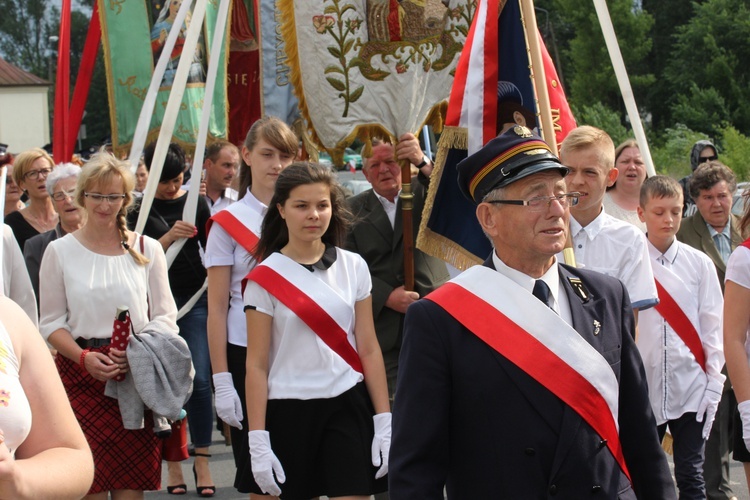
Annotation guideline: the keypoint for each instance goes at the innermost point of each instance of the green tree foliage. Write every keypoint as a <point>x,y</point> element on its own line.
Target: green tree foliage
<point>671,152</point>
<point>708,67</point>
<point>735,151</point>
<point>600,116</point>
<point>25,28</point>
<point>590,77</point>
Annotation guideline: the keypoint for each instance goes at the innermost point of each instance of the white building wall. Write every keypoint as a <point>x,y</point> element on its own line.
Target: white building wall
<point>24,117</point>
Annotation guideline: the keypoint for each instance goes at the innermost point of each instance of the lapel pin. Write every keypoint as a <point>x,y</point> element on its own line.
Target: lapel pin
<point>597,327</point>
<point>578,288</point>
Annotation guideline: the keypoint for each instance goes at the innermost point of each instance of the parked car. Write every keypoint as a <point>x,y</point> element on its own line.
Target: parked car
<point>351,159</point>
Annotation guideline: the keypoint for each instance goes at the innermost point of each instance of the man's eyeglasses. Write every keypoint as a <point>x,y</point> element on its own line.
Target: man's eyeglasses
<point>100,198</point>
<point>704,159</point>
<point>63,195</point>
<point>34,174</point>
<point>542,203</point>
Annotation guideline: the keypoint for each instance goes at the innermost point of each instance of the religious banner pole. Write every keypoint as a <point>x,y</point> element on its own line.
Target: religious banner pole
<point>623,81</point>
<point>407,224</point>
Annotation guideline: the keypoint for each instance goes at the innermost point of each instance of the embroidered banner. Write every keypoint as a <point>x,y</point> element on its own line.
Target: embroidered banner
<point>449,229</point>
<point>133,34</point>
<point>362,67</point>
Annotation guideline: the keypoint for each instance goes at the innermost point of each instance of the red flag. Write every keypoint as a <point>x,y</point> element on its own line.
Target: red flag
<point>62,88</point>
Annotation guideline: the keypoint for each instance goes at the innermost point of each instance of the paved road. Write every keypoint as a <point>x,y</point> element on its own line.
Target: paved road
<point>222,468</point>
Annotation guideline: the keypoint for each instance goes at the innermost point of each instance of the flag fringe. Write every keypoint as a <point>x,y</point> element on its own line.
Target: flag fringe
<point>432,243</point>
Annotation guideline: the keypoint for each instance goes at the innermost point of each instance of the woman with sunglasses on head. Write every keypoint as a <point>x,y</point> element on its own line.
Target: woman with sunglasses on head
<point>270,146</point>
<point>30,171</point>
<point>186,278</point>
<point>318,411</point>
<point>86,276</point>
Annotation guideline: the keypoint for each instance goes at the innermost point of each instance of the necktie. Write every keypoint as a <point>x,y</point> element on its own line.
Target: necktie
<point>541,292</point>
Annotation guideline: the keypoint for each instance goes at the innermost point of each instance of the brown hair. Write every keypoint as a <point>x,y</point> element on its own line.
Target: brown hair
<point>26,159</point>
<point>586,137</point>
<point>212,151</point>
<point>102,169</point>
<point>276,133</point>
<point>659,186</point>
<point>707,175</point>
<point>274,233</point>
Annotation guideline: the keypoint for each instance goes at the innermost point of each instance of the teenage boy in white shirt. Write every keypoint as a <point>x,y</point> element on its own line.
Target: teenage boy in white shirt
<point>601,242</point>
<point>680,340</point>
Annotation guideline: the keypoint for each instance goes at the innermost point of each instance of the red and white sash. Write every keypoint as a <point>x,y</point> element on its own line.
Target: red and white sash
<point>679,309</point>
<point>318,305</point>
<point>539,342</point>
<point>231,220</point>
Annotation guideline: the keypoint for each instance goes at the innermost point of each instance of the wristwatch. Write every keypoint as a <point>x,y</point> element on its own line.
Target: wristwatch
<point>424,162</point>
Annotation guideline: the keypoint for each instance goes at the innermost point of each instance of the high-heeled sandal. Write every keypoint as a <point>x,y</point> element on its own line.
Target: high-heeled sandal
<point>171,489</point>
<point>203,491</point>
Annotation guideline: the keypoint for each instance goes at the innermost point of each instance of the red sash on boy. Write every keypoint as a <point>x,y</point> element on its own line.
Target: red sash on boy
<point>678,309</point>
<point>312,300</point>
<point>535,339</point>
<point>746,243</point>
<point>230,219</point>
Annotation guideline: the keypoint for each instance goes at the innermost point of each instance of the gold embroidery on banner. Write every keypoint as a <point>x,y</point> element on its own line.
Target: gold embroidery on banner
<point>415,33</point>
<point>129,84</point>
<point>556,119</point>
<point>116,4</point>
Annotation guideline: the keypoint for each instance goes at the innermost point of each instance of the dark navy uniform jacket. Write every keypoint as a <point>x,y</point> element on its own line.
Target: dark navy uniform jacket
<point>468,419</point>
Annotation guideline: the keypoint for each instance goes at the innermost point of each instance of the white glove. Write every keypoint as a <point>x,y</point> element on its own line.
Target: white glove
<point>381,443</point>
<point>265,463</point>
<point>709,405</point>
<point>744,409</point>
<point>226,400</point>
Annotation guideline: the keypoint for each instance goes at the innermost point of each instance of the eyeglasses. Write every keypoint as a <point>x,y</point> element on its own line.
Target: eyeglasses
<point>34,174</point>
<point>63,195</point>
<point>704,159</point>
<point>100,198</point>
<point>542,203</point>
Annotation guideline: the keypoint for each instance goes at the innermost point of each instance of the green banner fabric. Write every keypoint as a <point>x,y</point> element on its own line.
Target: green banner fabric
<point>133,34</point>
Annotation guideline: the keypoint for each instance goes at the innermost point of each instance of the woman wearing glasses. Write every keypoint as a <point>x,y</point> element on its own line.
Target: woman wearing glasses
<point>61,186</point>
<point>30,172</point>
<point>87,275</point>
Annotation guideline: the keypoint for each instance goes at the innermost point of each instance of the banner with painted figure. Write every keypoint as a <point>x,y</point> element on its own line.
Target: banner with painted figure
<point>366,67</point>
<point>494,85</point>
<point>133,35</point>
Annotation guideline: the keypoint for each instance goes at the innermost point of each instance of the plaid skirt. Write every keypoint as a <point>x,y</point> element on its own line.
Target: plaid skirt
<point>123,459</point>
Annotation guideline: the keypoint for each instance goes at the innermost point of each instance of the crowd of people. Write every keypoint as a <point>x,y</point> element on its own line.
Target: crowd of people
<point>285,314</point>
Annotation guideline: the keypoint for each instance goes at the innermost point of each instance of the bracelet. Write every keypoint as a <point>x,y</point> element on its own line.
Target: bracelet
<point>83,357</point>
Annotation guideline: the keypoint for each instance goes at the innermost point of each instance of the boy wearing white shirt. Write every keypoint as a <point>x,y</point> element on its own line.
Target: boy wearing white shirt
<point>601,242</point>
<point>680,340</point>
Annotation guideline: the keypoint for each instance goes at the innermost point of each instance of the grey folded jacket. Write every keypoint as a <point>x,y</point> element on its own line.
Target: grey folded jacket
<point>160,378</point>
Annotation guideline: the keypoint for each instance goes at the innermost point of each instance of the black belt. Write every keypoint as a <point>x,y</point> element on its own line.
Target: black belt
<point>86,343</point>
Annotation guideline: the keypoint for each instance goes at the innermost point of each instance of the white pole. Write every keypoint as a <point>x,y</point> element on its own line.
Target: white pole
<point>622,79</point>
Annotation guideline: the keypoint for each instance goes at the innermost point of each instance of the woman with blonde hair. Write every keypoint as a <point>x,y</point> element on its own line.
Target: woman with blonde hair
<point>623,198</point>
<point>84,277</point>
<point>270,146</point>
<point>30,170</point>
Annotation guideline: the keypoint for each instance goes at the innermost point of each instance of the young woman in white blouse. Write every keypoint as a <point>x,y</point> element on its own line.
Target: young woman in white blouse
<point>270,146</point>
<point>317,400</point>
<point>84,277</point>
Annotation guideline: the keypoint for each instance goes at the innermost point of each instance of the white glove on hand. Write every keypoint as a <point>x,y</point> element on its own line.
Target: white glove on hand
<point>265,463</point>
<point>381,443</point>
<point>709,405</point>
<point>744,409</point>
<point>226,400</point>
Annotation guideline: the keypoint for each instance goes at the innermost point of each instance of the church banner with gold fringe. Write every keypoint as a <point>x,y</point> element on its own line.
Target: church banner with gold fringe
<point>133,34</point>
<point>365,67</point>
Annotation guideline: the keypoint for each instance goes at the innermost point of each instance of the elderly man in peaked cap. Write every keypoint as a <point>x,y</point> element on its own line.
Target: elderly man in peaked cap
<point>520,378</point>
